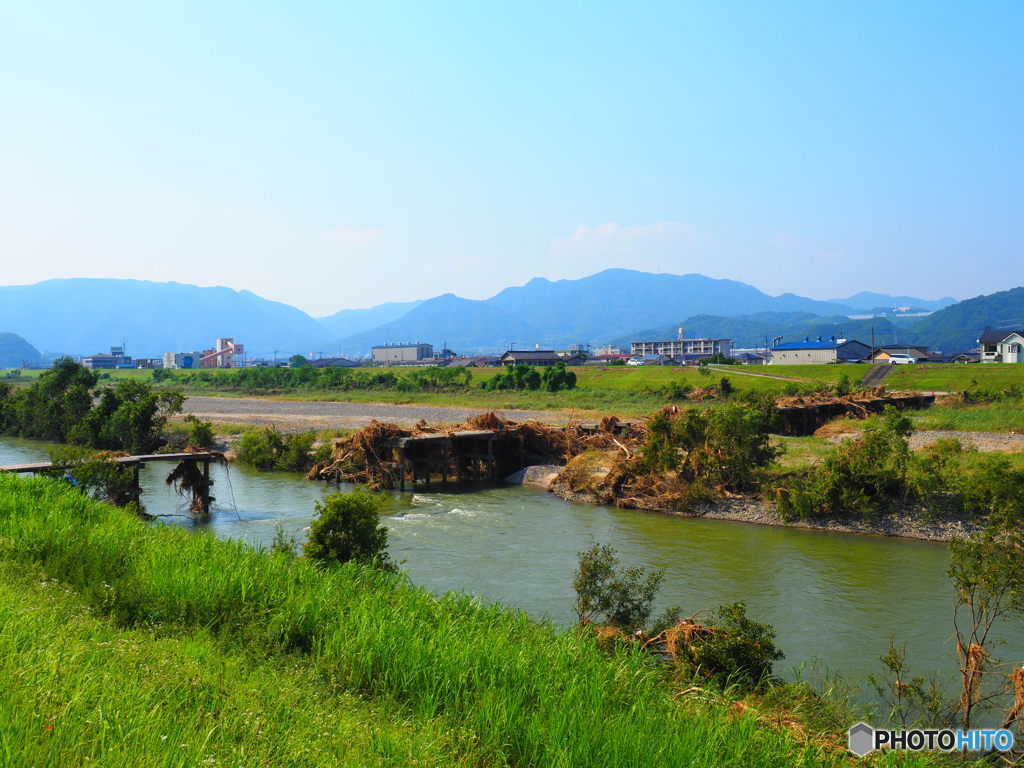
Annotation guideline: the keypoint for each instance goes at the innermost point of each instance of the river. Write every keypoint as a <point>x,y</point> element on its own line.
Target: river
<point>833,598</point>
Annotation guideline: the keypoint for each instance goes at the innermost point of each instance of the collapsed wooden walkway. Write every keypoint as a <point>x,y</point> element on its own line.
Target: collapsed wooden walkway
<point>201,502</point>
<point>465,455</point>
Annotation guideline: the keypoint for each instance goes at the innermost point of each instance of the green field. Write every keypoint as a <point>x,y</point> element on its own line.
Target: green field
<point>126,644</point>
<point>956,378</point>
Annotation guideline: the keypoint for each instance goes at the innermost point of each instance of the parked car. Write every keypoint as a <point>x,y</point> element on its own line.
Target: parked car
<point>901,359</point>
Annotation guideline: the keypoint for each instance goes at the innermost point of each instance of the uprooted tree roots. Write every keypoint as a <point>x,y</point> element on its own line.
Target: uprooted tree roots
<point>190,483</point>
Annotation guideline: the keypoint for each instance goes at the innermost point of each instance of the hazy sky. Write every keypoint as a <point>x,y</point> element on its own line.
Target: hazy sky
<point>337,155</point>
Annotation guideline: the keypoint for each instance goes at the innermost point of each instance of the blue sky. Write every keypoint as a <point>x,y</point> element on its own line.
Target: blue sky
<point>336,155</point>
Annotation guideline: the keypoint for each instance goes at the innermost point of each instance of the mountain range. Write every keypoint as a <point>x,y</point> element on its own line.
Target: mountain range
<point>85,316</point>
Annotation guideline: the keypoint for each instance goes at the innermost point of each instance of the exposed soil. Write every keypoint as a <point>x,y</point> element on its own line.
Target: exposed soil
<point>982,441</point>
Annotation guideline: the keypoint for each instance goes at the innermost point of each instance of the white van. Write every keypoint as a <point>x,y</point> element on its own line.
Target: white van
<point>901,359</point>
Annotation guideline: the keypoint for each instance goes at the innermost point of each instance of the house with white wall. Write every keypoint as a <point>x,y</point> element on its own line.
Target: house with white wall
<point>1005,346</point>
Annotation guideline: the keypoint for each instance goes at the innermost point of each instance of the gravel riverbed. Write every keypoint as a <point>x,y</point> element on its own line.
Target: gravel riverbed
<point>292,415</point>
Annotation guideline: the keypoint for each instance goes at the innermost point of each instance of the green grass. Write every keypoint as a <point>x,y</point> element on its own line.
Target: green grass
<point>155,631</point>
<point>801,452</point>
<point>78,690</point>
<point>989,417</point>
<point>956,378</point>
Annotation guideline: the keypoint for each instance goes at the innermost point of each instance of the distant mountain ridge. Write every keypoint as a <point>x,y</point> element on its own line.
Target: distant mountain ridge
<point>347,322</point>
<point>82,316</point>
<point>15,351</point>
<point>595,309</point>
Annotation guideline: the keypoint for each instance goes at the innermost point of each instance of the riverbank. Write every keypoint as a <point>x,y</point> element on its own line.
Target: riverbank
<point>905,524</point>
<point>214,653</point>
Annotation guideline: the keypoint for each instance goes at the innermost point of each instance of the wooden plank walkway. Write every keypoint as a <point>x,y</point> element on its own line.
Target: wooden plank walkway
<point>42,466</point>
<point>200,492</point>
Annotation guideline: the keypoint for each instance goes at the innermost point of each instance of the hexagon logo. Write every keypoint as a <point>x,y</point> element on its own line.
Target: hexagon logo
<point>861,739</point>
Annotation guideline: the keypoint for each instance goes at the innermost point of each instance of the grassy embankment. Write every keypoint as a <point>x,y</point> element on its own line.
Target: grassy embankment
<point>123,644</point>
<point>1002,415</point>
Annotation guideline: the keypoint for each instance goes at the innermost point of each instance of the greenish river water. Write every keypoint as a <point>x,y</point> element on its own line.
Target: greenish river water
<point>833,598</point>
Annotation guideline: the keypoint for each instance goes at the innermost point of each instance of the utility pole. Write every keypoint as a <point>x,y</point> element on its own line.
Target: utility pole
<point>872,344</point>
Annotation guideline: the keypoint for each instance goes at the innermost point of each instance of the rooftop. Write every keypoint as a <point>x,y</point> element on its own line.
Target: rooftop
<point>993,337</point>
<point>824,344</point>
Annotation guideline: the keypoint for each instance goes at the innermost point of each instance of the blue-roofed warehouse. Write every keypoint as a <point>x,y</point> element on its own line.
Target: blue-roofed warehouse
<point>819,352</point>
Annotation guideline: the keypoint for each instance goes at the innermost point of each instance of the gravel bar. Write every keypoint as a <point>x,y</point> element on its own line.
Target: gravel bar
<point>303,414</point>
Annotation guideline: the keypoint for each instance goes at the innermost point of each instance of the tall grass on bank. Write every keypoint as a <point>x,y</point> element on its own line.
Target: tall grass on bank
<point>524,693</point>
<point>76,690</point>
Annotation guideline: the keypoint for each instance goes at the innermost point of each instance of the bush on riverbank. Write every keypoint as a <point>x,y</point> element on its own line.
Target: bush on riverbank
<point>58,406</point>
<point>867,477</point>
<point>501,688</point>
<point>268,448</point>
<point>347,528</point>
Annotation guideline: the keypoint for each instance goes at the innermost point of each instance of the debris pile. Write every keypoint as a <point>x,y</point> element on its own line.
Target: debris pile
<point>368,456</point>
<point>803,414</point>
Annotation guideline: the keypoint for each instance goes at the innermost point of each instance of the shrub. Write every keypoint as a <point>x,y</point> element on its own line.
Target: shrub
<point>556,378</point>
<point>843,386</point>
<point>608,595</point>
<point>347,527</point>
<point>726,448</point>
<point>259,447</point>
<point>266,448</point>
<point>859,478</point>
<point>739,650</point>
<point>515,377</point>
<point>200,433</point>
<point>296,452</point>
<point>675,390</point>
<point>94,474</point>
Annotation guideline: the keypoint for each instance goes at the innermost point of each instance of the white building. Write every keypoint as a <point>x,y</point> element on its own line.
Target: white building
<point>1006,346</point>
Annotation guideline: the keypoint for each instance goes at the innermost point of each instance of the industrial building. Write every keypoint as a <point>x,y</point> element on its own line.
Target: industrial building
<point>402,352</point>
<point>819,352</point>
<point>225,354</point>
<point>116,359</point>
<point>222,355</point>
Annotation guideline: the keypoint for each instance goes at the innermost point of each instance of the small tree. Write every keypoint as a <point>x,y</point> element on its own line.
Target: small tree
<point>988,582</point>
<point>606,594</point>
<point>347,527</point>
<point>297,361</point>
<point>556,378</point>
